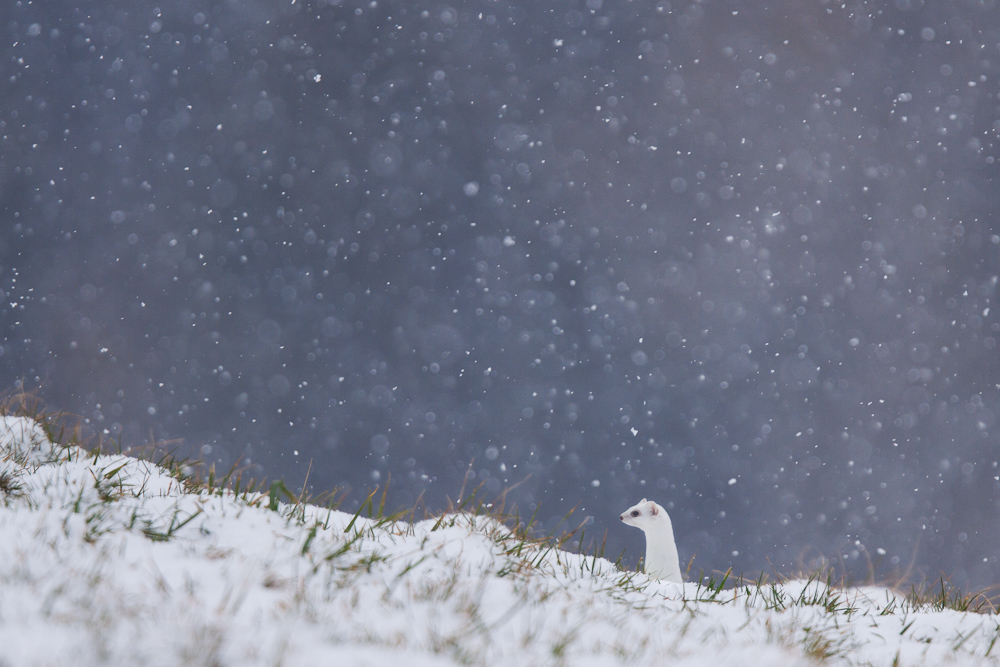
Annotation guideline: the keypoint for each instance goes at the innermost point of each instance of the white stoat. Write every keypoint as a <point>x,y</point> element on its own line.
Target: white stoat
<point>661,552</point>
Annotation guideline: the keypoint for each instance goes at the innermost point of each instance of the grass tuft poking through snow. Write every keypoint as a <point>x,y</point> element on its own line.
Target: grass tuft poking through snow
<point>109,559</point>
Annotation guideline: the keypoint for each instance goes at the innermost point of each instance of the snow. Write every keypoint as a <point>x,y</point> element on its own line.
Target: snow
<point>23,436</point>
<point>107,559</point>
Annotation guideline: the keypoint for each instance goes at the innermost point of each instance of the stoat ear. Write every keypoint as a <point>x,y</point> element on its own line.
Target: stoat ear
<point>652,509</point>
<point>642,501</point>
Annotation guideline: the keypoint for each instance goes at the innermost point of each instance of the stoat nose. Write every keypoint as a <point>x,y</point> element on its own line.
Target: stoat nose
<point>622,517</point>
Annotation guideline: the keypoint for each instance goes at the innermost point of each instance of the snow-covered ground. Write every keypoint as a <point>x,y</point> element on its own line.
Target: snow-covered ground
<point>111,560</point>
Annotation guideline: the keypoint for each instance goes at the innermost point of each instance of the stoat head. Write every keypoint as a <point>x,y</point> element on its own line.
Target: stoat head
<point>644,514</point>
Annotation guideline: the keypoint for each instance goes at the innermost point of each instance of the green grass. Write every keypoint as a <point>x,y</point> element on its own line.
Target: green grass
<point>942,594</point>
<point>10,484</point>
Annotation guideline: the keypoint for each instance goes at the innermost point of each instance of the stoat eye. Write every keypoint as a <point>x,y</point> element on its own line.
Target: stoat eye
<point>635,512</point>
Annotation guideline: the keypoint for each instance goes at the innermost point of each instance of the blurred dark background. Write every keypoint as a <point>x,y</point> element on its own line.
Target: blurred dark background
<point>738,257</point>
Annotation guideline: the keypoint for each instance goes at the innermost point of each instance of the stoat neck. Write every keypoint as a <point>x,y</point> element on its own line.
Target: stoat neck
<point>662,561</point>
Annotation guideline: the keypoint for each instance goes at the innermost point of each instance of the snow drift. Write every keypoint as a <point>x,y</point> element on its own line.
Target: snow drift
<point>114,560</point>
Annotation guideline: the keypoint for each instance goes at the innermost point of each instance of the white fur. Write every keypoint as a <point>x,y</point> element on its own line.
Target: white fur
<point>661,552</point>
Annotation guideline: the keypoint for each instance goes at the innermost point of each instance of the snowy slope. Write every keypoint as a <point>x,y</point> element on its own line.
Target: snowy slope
<point>109,560</point>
